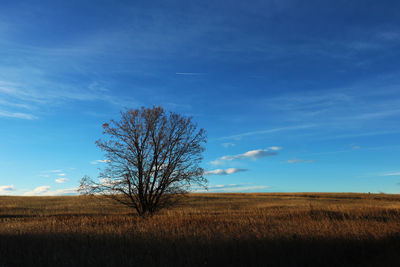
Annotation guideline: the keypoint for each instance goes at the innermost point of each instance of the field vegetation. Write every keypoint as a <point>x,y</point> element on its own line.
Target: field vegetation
<point>274,229</point>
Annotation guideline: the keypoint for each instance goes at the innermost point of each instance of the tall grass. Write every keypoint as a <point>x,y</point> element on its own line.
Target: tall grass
<point>206,229</point>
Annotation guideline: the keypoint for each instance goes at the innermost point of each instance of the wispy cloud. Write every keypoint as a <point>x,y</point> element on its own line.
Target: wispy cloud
<point>226,145</point>
<point>231,188</point>
<point>224,171</point>
<point>360,134</point>
<point>37,91</point>
<point>48,173</point>
<point>390,174</point>
<point>4,102</point>
<point>375,115</point>
<point>293,161</point>
<point>189,73</point>
<point>100,161</point>
<point>267,131</point>
<point>4,189</point>
<point>52,171</point>
<point>17,115</point>
<point>353,146</point>
<point>61,180</point>
<point>309,102</point>
<point>342,112</point>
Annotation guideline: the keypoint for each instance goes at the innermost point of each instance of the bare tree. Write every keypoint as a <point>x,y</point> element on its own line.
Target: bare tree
<point>152,158</point>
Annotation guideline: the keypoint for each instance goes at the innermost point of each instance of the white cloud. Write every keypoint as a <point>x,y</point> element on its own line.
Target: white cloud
<point>65,191</point>
<point>100,161</point>
<point>61,174</point>
<point>45,191</point>
<point>224,172</point>
<point>6,188</point>
<point>38,191</point>
<point>108,182</point>
<point>248,188</point>
<point>275,148</point>
<point>291,161</point>
<point>61,180</point>
<point>252,154</point>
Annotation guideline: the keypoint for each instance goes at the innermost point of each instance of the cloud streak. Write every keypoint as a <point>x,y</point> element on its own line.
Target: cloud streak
<point>17,115</point>
<point>189,73</point>
<point>294,161</point>
<point>224,171</point>
<point>390,174</point>
<point>252,155</point>
<point>267,131</point>
<point>231,188</point>
<point>100,161</point>
<point>227,145</point>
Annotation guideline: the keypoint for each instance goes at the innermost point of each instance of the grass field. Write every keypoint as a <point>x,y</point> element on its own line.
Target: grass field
<point>276,229</point>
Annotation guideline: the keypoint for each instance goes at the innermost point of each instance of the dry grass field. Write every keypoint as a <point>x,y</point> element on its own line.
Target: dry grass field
<point>276,229</point>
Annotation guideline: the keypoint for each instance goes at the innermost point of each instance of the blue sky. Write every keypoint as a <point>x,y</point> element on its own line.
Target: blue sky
<point>295,96</point>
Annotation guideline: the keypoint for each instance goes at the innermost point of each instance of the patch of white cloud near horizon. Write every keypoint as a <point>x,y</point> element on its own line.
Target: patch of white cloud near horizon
<point>293,161</point>
<point>45,191</point>
<point>40,190</point>
<point>99,161</point>
<point>4,189</point>
<point>61,180</point>
<point>224,172</point>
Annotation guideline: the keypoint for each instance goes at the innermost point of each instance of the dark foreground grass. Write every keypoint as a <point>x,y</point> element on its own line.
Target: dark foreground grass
<point>206,230</point>
<point>78,250</point>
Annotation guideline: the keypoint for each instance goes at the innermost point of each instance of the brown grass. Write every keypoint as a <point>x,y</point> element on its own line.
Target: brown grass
<point>301,229</point>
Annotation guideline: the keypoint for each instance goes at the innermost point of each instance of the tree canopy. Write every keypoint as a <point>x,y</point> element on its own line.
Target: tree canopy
<point>152,158</point>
